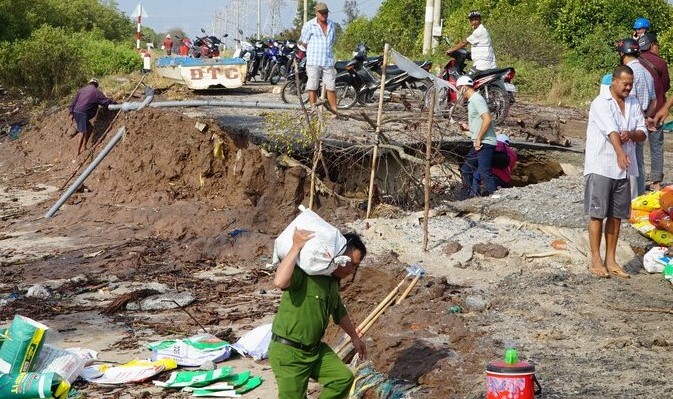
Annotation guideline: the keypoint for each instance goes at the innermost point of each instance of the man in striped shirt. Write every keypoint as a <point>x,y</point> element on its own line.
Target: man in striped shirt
<point>616,124</point>
<point>643,90</point>
<point>318,36</point>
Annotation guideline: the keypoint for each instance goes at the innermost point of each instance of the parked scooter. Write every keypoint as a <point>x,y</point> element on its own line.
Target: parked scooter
<point>495,85</point>
<point>367,84</point>
<point>207,46</point>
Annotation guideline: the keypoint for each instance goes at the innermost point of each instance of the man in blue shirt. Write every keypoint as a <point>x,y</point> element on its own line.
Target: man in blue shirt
<point>318,36</point>
<point>483,139</point>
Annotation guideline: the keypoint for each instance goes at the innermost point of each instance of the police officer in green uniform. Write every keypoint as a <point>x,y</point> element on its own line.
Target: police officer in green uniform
<point>296,352</point>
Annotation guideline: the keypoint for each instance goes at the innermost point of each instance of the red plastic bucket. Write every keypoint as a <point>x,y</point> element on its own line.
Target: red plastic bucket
<point>511,381</point>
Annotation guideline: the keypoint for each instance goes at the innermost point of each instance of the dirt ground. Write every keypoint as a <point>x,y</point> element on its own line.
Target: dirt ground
<point>190,211</point>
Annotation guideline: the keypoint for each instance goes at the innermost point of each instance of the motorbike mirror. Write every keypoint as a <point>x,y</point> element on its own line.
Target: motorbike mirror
<point>203,30</point>
<point>448,41</point>
<point>240,31</point>
<point>226,35</point>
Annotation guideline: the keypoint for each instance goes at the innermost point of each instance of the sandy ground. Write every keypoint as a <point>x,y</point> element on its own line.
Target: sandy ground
<point>196,213</point>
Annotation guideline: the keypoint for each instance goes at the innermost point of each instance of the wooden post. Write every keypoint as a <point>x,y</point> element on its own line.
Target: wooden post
<point>428,155</point>
<point>379,117</point>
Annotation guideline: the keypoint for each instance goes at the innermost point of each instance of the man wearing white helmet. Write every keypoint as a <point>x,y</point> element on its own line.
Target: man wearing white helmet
<point>480,156</point>
<point>483,55</point>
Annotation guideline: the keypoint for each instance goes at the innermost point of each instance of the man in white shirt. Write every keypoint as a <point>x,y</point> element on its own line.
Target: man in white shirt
<point>616,124</point>
<point>483,55</point>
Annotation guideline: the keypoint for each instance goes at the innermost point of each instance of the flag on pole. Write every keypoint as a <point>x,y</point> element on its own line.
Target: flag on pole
<point>139,13</point>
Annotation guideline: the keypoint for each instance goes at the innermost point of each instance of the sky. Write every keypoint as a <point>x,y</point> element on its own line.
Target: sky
<point>216,15</point>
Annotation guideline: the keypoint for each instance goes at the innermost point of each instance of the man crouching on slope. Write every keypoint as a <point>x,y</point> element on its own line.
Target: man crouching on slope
<point>616,123</point>
<point>296,352</point>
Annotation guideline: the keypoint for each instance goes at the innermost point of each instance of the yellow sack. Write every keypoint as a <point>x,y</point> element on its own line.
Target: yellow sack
<point>661,237</point>
<point>639,216</point>
<point>647,202</point>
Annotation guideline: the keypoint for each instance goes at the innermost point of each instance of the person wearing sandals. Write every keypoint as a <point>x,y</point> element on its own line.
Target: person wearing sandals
<point>616,124</point>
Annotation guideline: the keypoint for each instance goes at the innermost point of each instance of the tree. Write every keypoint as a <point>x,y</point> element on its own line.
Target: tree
<point>351,10</point>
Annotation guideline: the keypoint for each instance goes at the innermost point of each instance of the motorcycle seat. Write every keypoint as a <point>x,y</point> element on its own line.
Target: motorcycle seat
<point>340,65</point>
<point>488,72</point>
<point>394,70</point>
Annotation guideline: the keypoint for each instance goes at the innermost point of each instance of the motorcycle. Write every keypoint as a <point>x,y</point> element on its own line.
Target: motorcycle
<point>207,46</point>
<point>293,92</point>
<point>282,62</point>
<point>495,85</point>
<point>361,70</point>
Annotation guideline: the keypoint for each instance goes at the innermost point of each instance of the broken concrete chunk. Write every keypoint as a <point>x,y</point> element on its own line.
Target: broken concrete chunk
<point>170,300</point>
<point>491,250</point>
<point>201,127</point>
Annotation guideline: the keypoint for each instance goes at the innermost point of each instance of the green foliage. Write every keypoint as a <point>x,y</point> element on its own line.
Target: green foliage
<point>18,19</point>
<point>398,22</point>
<point>573,20</point>
<point>53,61</point>
<point>536,45</point>
<point>289,134</point>
<point>104,57</point>
<point>358,31</point>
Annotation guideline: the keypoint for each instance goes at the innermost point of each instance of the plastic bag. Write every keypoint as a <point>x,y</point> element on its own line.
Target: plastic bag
<point>196,378</point>
<point>317,255</point>
<point>255,343</point>
<point>56,360</point>
<point>23,342</point>
<point>193,351</point>
<point>655,260</point>
<point>134,371</point>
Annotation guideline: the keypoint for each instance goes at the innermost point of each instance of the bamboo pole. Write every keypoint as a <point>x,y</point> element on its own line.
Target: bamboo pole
<point>379,117</point>
<point>428,155</point>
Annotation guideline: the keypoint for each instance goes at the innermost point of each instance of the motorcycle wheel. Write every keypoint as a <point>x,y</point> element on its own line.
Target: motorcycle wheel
<point>498,103</point>
<point>263,72</point>
<point>346,95</point>
<point>289,95</point>
<point>274,75</point>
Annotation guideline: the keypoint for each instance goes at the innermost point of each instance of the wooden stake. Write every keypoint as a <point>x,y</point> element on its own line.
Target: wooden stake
<point>379,117</point>
<point>428,155</point>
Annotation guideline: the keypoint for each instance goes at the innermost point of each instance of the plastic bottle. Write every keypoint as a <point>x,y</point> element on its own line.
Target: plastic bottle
<point>511,356</point>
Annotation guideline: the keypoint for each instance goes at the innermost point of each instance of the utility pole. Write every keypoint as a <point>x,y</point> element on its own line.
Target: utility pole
<point>427,31</point>
<point>259,19</point>
<point>436,23</point>
<point>238,18</point>
<point>305,11</point>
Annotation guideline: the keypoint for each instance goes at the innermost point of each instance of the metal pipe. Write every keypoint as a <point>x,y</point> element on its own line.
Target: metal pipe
<point>86,173</point>
<point>134,106</point>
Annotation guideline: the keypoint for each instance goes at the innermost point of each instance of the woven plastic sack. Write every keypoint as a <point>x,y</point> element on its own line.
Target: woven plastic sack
<point>23,342</point>
<point>33,385</point>
<point>646,202</point>
<point>317,255</point>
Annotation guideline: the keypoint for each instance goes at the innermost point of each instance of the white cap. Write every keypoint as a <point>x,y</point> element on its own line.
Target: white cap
<point>464,81</point>
<point>168,36</point>
<point>503,138</point>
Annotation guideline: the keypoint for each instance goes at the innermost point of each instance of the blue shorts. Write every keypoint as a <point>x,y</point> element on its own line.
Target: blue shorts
<point>82,123</point>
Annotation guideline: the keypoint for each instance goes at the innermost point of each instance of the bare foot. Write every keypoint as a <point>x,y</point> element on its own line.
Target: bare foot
<point>598,269</point>
<point>616,270</point>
